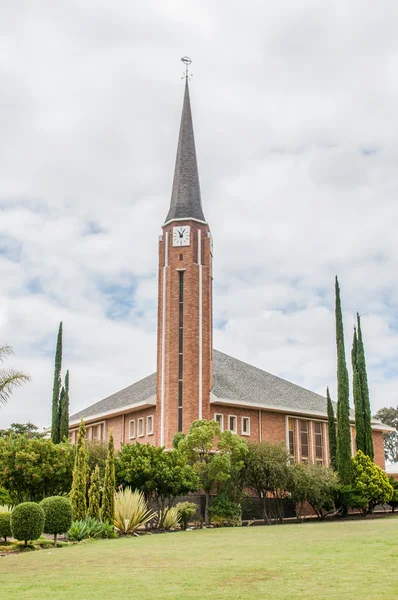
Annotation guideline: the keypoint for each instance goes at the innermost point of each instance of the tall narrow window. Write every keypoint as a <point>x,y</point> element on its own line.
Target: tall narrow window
<point>291,437</point>
<point>318,442</point>
<point>304,441</point>
<point>180,345</point>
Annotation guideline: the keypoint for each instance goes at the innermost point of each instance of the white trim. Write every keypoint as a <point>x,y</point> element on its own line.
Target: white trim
<point>132,437</point>
<point>184,219</point>
<point>236,424</point>
<point>149,403</point>
<point>149,431</point>
<point>163,361</point>
<point>222,420</point>
<point>241,426</point>
<point>140,421</point>
<point>200,324</point>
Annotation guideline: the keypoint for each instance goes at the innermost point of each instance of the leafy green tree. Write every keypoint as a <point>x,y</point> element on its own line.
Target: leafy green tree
<point>389,416</point>
<point>267,474</point>
<point>5,525</point>
<point>96,452</point>
<point>31,469</point>
<point>314,484</point>
<point>162,476</point>
<point>28,429</point>
<point>331,431</point>
<point>27,521</point>
<point>370,482</point>
<point>55,420</point>
<point>343,455</point>
<point>94,495</point>
<point>215,456</point>
<point>58,515</point>
<point>363,382</point>
<point>394,500</point>
<point>108,494</point>
<point>64,410</point>
<point>79,479</point>
<point>9,379</point>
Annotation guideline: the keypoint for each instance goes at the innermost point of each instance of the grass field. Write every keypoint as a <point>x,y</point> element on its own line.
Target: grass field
<point>344,560</point>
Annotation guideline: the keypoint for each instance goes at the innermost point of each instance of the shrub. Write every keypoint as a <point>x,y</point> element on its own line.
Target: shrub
<point>5,525</point>
<point>131,511</point>
<point>314,484</point>
<point>27,521</point>
<point>394,500</point>
<point>225,511</point>
<point>186,512</point>
<point>90,528</point>
<point>170,518</point>
<point>370,482</point>
<point>58,515</point>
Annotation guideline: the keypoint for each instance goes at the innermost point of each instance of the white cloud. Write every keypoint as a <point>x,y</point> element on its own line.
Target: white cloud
<point>295,116</point>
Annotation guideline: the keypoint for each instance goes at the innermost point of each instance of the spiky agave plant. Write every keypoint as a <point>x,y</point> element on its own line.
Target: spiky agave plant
<point>131,511</point>
<point>170,518</point>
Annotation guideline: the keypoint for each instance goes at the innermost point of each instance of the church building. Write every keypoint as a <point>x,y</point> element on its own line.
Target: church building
<point>193,380</point>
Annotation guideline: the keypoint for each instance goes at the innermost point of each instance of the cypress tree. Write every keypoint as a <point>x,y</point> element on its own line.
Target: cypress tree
<point>331,431</point>
<point>343,455</point>
<point>64,410</point>
<point>79,481</point>
<point>94,495</point>
<point>363,382</point>
<point>357,392</point>
<point>108,494</point>
<point>56,389</point>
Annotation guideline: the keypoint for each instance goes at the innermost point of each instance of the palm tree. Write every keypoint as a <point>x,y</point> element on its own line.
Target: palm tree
<point>9,379</point>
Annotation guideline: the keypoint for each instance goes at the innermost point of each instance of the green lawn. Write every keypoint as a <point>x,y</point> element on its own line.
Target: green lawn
<point>342,560</point>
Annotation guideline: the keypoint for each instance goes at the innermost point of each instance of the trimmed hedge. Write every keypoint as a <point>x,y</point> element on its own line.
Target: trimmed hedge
<point>58,515</point>
<point>5,525</point>
<point>27,521</point>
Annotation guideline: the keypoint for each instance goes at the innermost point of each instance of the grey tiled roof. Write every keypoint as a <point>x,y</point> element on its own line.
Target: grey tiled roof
<point>233,380</point>
<point>138,392</point>
<point>185,197</point>
<point>239,381</point>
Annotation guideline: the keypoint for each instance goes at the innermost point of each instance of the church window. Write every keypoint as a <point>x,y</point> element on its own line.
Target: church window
<point>304,440</point>
<point>318,442</point>
<point>291,437</point>
<point>140,427</point>
<point>180,345</point>
<point>149,425</point>
<point>220,420</point>
<point>131,430</point>
<point>232,423</point>
<point>245,425</point>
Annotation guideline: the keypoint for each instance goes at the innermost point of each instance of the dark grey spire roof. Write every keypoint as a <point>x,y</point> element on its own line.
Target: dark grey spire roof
<point>185,197</point>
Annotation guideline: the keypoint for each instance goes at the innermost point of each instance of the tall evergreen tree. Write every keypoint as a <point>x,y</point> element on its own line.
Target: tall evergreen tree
<point>331,431</point>
<point>357,392</point>
<point>79,481</point>
<point>56,389</point>
<point>64,410</point>
<point>363,380</point>
<point>94,495</point>
<point>108,494</point>
<point>343,455</point>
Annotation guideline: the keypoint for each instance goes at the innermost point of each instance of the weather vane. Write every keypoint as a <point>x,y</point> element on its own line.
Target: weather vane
<point>187,61</point>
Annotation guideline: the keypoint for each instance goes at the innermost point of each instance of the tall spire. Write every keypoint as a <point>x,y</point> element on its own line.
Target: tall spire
<point>185,198</point>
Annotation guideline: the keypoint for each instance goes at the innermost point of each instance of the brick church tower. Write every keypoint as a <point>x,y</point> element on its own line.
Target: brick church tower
<point>185,340</point>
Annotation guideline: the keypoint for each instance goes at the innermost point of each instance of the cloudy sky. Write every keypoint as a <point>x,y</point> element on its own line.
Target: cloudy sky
<point>295,116</point>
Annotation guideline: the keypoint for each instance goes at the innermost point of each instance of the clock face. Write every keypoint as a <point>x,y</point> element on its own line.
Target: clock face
<point>181,235</point>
